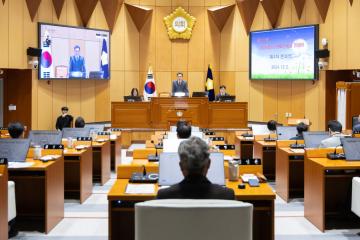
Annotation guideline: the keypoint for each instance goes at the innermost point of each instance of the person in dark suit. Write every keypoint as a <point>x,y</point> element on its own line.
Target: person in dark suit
<point>183,131</point>
<point>16,130</point>
<point>301,127</point>
<point>180,85</point>
<point>77,64</point>
<point>221,93</point>
<point>65,120</point>
<point>194,163</point>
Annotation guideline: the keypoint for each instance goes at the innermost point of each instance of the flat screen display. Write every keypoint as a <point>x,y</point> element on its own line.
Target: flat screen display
<point>73,53</point>
<point>284,54</point>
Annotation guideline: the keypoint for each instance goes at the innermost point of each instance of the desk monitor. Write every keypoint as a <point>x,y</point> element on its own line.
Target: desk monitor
<point>227,98</point>
<point>132,99</point>
<point>199,94</point>
<point>355,121</point>
<point>95,128</point>
<point>193,129</point>
<point>14,150</point>
<point>39,137</point>
<point>314,139</point>
<point>75,132</point>
<point>286,133</point>
<point>351,148</point>
<point>259,129</point>
<point>172,145</point>
<point>170,172</point>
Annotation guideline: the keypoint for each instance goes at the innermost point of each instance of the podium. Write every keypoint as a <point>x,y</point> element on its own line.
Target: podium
<point>164,112</point>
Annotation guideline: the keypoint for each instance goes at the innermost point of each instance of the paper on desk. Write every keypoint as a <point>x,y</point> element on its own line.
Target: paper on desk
<point>228,158</point>
<point>20,164</point>
<point>140,188</point>
<point>297,150</point>
<point>247,177</point>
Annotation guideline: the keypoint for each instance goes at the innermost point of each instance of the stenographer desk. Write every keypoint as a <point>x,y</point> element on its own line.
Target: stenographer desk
<point>122,216</point>
<point>3,202</point>
<point>39,191</point>
<point>327,191</point>
<point>289,170</point>
<point>160,113</point>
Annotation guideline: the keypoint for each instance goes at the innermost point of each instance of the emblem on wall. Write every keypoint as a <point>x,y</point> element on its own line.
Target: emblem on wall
<point>179,24</point>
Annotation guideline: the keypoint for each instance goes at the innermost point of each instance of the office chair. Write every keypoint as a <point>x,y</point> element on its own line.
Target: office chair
<point>355,199</point>
<point>178,219</point>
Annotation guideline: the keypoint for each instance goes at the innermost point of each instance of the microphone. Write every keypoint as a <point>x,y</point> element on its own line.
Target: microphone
<point>335,155</point>
<point>144,170</point>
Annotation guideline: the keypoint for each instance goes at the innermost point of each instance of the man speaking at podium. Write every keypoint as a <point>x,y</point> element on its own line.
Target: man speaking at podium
<point>180,86</point>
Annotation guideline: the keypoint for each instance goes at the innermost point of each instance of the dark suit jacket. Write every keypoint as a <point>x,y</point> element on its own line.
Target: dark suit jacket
<point>64,122</point>
<point>298,137</point>
<point>183,87</point>
<point>217,97</point>
<point>77,64</point>
<point>196,187</point>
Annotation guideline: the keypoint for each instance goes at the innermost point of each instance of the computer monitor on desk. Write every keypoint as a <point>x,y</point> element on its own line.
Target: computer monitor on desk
<point>132,99</point>
<point>76,132</point>
<point>95,127</point>
<point>286,133</point>
<point>40,137</point>
<point>199,94</point>
<point>170,172</point>
<point>14,150</point>
<point>314,139</point>
<point>227,98</point>
<point>171,145</point>
<point>351,148</point>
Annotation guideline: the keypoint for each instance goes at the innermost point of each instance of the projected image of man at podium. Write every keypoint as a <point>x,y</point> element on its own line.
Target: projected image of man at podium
<point>180,86</point>
<point>77,64</point>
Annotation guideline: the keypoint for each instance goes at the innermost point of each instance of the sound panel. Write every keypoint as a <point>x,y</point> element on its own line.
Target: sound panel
<point>220,15</point>
<point>86,8</point>
<point>139,14</point>
<point>272,9</point>
<point>58,6</point>
<point>33,6</point>
<point>111,10</point>
<point>323,7</point>
<point>299,6</point>
<point>247,10</point>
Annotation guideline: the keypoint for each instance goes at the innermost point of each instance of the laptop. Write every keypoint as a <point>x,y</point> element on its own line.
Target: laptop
<point>39,137</point>
<point>286,133</point>
<point>314,139</point>
<point>14,150</point>
<point>351,148</point>
<point>227,98</point>
<point>132,99</point>
<point>258,129</point>
<point>170,173</point>
<point>75,132</point>
<point>199,94</point>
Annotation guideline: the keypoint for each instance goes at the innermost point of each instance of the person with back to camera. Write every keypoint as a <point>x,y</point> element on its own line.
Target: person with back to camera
<point>79,122</point>
<point>271,125</point>
<point>194,164</point>
<point>301,128</point>
<point>335,129</point>
<point>16,130</point>
<point>183,131</point>
<point>65,120</point>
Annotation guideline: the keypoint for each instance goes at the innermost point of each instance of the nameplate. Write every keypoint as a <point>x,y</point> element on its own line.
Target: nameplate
<point>249,162</point>
<point>84,139</point>
<point>54,146</point>
<point>226,147</point>
<point>217,138</point>
<point>209,133</point>
<point>104,133</point>
<point>3,161</point>
<point>115,129</point>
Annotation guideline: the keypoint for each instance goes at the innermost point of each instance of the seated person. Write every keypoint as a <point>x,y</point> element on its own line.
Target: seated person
<point>194,163</point>
<point>183,131</point>
<point>79,122</point>
<point>222,93</point>
<point>335,129</point>
<point>65,120</point>
<point>134,92</point>
<point>180,85</point>
<point>16,130</point>
<point>356,128</point>
<point>301,127</point>
<point>271,125</point>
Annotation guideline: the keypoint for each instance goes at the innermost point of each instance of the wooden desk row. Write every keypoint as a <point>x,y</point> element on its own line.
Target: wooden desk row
<point>3,202</point>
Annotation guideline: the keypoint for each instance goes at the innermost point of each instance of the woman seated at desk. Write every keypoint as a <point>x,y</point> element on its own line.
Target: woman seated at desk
<point>134,96</point>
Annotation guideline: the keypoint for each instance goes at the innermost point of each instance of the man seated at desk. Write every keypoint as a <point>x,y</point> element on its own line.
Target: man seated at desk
<point>194,163</point>
<point>180,86</point>
<point>301,127</point>
<point>16,130</point>
<point>222,93</point>
<point>335,129</point>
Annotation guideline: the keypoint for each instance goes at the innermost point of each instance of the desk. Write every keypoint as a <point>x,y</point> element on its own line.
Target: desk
<point>39,191</point>
<point>122,219</point>
<point>115,152</point>
<point>163,112</point>
<point>266,151</point>
<point>78,173</point>
<point>327,192</point>
<point>289,173</point>
<point>244,147</point>
<point>101,161</point>
<point>3,202</point>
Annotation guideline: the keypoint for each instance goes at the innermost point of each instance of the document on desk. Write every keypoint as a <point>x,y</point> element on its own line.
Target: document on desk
<point>20,164</point>
<point>140,189</point>
<point>297,150</point>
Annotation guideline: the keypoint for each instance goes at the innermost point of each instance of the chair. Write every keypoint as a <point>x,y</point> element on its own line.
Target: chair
<point>11,201</point>
<point>178,219</point>
<point>355,200</point>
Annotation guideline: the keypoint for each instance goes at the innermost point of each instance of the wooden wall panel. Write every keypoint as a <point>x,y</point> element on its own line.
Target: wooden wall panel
<point>196,55</point>
<point>298,99</point>
<point>242,86</point>
<point>163,45</point>
<point>227,47</point>
<point>117,84</point>
<point>340,35</point>
<point>16,34</point>
<point>270,94</point>
<point>283,100</point>
<point>4,29</point>
<point>45,105</point>
<point>196,81</point>
<point>59,98</point>
<point>87,100</point>
<point>353,36</point>
<point>227,79</point>
<point>212,43</point>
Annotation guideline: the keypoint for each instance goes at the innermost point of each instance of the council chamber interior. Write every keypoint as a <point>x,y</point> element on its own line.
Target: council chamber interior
<point>179,119</point>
